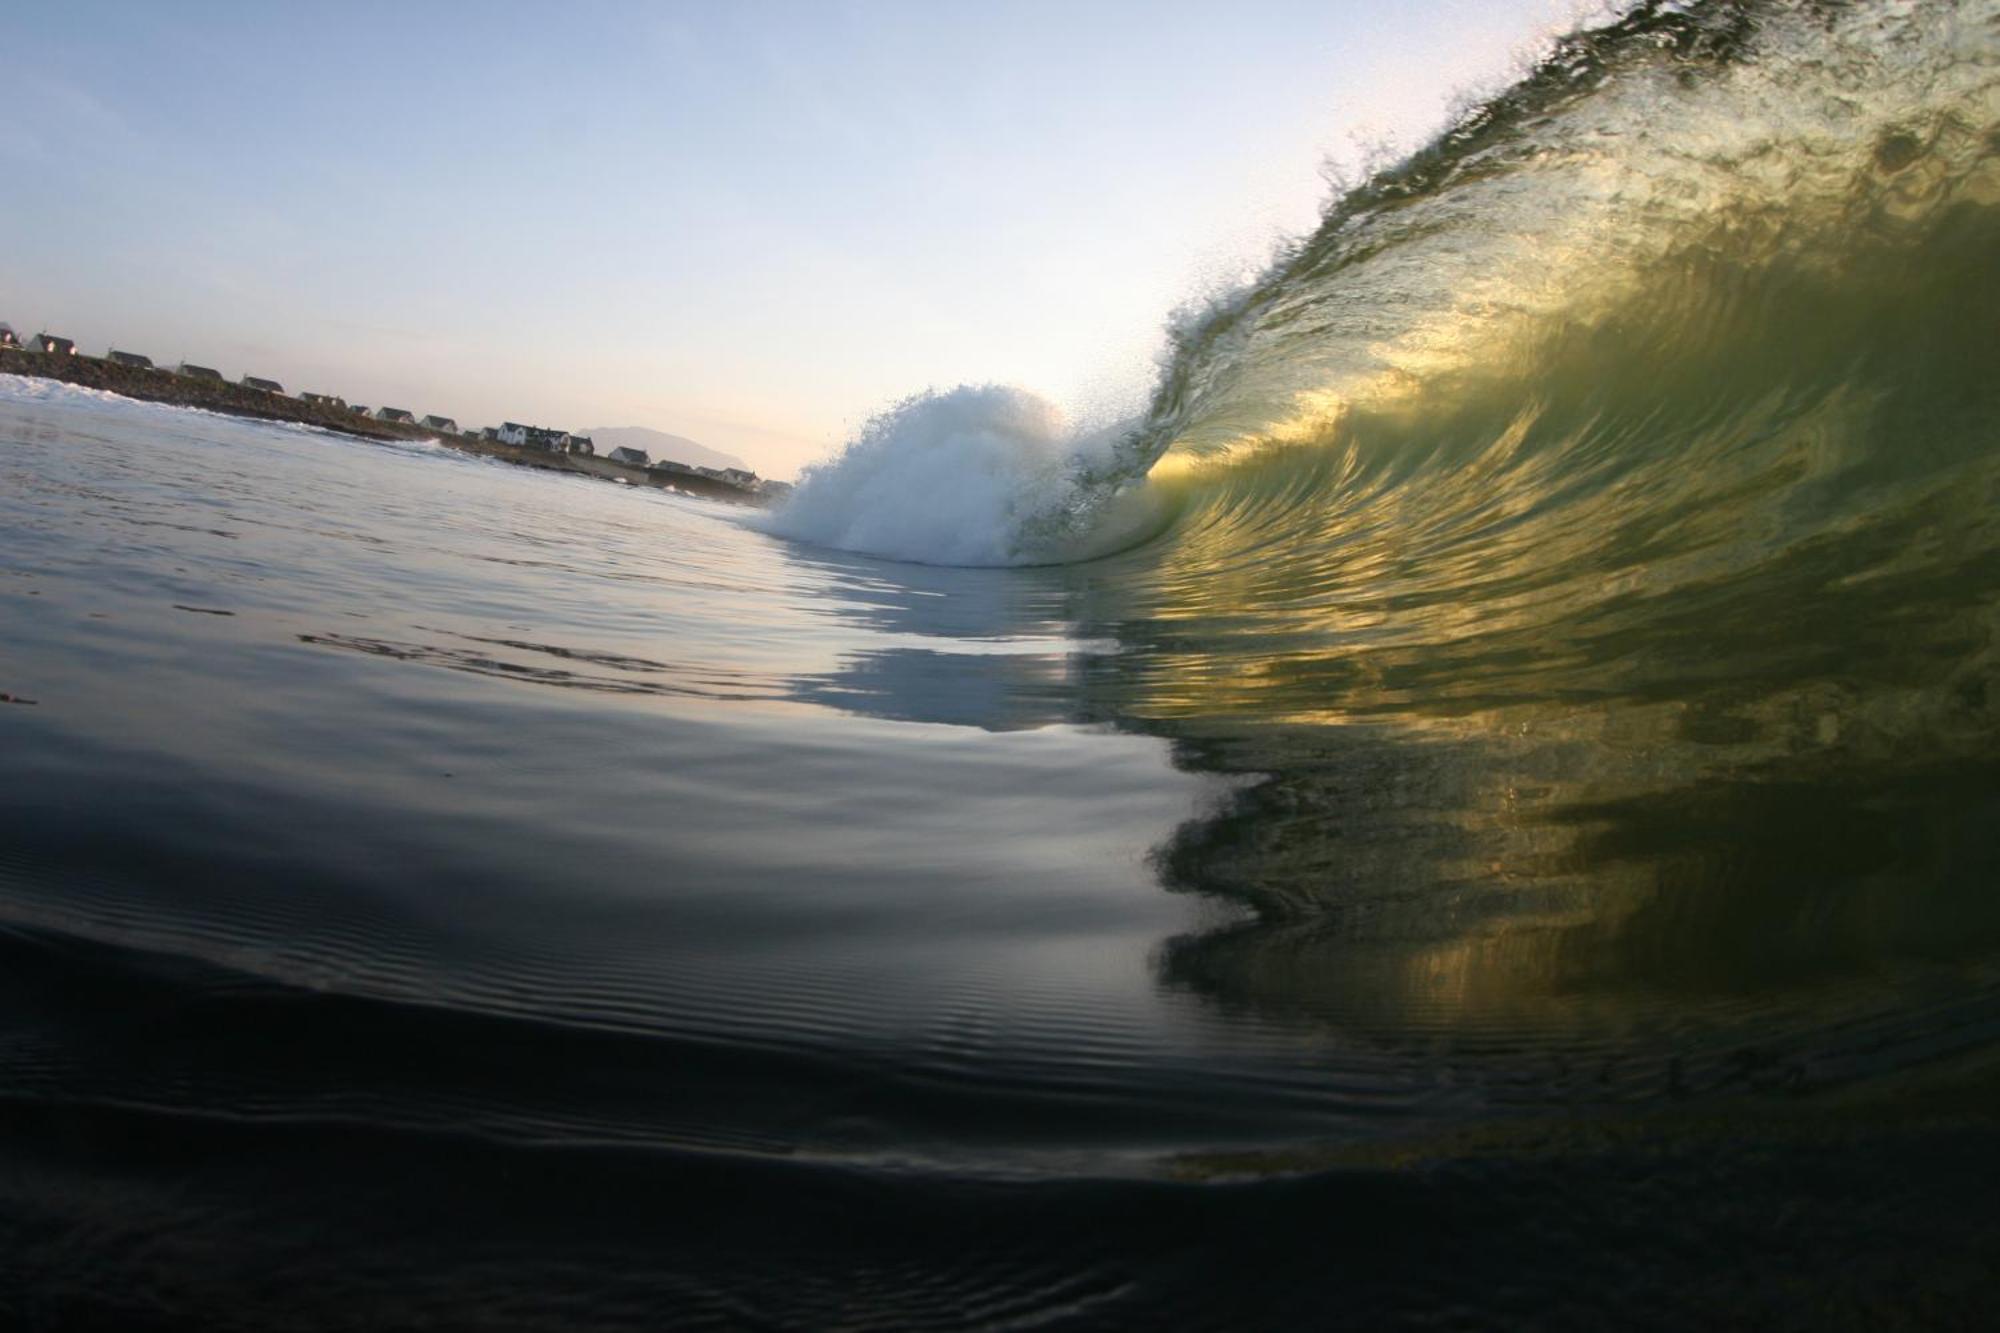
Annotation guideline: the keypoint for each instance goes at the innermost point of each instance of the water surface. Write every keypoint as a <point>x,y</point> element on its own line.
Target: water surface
<point>1498,831</point>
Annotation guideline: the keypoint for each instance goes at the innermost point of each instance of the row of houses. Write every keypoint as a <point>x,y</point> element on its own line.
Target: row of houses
<point>54,345</point>
<point>735,476</point>
<point>512,432</point>
<point>50,344</point>
<point>562,442</point>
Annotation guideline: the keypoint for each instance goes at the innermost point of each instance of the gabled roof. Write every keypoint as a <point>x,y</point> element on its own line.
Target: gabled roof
<point>132,359</point>
<point>193,371</point>
<point>268,386</point>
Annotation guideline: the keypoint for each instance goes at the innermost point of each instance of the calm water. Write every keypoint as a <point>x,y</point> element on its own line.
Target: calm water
<point>1500,832</point>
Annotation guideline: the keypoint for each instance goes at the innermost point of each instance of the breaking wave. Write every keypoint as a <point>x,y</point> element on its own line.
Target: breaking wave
<point>1710,281</point>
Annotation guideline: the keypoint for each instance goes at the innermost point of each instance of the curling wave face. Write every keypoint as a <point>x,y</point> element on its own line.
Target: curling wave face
<point>1508,309</point>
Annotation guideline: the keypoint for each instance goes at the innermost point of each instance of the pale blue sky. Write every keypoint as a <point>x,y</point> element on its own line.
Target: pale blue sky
<point>750,223</point>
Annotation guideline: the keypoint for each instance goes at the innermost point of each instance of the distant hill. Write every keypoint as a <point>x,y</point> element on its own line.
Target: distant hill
<point>660,445</point>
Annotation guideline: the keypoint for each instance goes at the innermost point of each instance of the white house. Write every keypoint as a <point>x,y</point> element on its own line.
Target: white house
<point>739,476</point>
<point>48,342</point>
<point>194,372</point>
<point>434,422</point>
<point>393,414</point>
<point>131,359</point>
<point>8,338</point>
<point>627,454</point>
<point>531,437</point>
<point>268,386</point>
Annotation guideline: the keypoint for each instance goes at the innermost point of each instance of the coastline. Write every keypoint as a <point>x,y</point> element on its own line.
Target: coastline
<point>164,386</point>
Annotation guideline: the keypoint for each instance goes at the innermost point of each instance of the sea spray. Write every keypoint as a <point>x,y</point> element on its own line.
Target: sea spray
<point>977,475</point>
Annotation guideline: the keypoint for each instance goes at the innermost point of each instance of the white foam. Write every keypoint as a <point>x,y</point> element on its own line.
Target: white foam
<point>956,478</point>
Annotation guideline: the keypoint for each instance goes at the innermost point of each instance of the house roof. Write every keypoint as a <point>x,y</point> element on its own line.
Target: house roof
<point>253,382</point>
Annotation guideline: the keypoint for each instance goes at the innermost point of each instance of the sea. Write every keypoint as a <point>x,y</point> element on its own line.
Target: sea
<point>1478,807</point>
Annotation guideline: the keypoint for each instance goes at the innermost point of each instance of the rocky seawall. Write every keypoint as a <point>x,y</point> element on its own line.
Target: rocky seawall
<point>688,483</point>
<point>164,386</point>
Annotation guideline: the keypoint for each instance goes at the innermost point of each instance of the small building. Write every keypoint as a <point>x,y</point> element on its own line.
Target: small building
<point>579,444</point>
<point>626,454</point>
<point>358,410</point>
<point>268,386</point>
<point>490,433</point>
<point>194,372</point>
<point>394,414</point>
<point>131,360</point>
<point>324,400</point>
<point>532,437</point>
<point>440,423</point>
<point>50,343</point>
<point>669,465</point>
<point>777,490</point>
<point>739,476</point>
<point>8,338</point>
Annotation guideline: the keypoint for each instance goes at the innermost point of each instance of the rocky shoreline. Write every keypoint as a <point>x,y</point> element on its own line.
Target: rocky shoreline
<point>164,386</point>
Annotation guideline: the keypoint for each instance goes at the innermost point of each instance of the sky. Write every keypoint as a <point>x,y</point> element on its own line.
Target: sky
<point>753,224</point>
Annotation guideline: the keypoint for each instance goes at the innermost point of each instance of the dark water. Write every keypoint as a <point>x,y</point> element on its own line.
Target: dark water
<point>1513,845</point>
